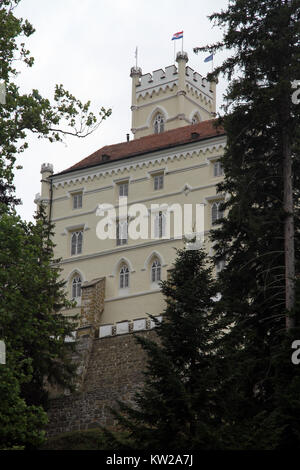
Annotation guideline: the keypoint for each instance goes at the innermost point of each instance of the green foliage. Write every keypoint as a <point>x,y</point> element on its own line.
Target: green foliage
<point>91,439</point>
<point>176,408</point>
<point>32,295</point>
<point>23,113</point>
<point>257,393</point>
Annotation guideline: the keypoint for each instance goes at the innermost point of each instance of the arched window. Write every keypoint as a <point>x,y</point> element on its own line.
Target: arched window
<point>124,277</point>
<point>76,242</point>
<point>156,271</point>
<point>195,119</point>
<point>76,287</point>
<point>159,124</point>
<point>216,212</point>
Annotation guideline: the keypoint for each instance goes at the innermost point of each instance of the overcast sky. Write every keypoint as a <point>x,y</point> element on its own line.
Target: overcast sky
<point>89,46</point>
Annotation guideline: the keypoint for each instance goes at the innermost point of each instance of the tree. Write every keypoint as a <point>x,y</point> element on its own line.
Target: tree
<point>31,292</point>
<point>23,113</point>
<point>175,409</point>
<point>257,236</point>
<point>31,301</point>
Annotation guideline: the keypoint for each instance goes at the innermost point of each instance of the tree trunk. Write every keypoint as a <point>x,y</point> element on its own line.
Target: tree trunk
<point>289,242</point>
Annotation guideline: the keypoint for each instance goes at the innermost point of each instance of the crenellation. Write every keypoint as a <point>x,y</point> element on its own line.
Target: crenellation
<point>157,78</point>
<point>197,77</point>
<point>189,71</point>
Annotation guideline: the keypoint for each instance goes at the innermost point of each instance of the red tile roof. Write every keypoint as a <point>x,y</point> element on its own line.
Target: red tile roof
<point>151,143</point>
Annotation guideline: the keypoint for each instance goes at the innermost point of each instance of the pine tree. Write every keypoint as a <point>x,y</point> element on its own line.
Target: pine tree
<point>175,409</point>
<point>257,236</point>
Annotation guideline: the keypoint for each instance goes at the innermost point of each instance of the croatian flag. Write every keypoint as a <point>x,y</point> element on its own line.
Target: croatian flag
<point>209,58</point>
<point>177,35</point>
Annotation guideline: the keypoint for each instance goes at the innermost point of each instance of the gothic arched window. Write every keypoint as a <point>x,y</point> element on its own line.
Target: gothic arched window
<point>76,287</point>
<point>76,242</point>
<point>124,277</point>
<point>156,271</point>
<point>195,119</point>
<point>216,212</point>
<point>159,124</point>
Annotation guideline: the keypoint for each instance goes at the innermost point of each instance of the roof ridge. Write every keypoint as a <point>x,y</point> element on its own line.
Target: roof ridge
<point>150,143</point>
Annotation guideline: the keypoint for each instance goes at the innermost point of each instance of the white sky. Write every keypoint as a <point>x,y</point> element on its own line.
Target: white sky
<point>89,46</point>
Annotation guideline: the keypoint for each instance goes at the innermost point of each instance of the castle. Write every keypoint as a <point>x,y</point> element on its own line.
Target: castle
<point>173,161</point>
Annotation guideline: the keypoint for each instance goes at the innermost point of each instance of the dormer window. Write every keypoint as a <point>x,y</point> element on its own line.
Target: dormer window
<point>159,124</point>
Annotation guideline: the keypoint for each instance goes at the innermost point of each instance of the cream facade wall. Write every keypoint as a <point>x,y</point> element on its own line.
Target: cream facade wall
<point>179,94</point>
<point>188,179</point>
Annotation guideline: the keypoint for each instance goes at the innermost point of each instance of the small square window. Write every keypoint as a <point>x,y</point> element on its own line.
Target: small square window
<point>218,169</point>
<point>123,189</point>
<point>77,201</point>
<point>158,182</point>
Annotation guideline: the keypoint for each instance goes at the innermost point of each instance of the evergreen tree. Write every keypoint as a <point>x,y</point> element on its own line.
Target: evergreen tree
<point>256,238</point>
<point>175,408</point>
<point>31,292</point>
<point>32,326</point>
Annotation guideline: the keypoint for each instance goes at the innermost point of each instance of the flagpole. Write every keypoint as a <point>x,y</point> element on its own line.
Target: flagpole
<point>182,43</point>
<point>174,52</point>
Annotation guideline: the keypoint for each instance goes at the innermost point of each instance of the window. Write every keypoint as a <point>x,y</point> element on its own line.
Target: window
<point>158,182</point>
<point>124,277</point>
<point>156,271</point>
<point>76,242</point>
<point>220,266</point>
<point>123,189</point>
<point>77,201</point>
<point>122,232</point>
<point>76,287</point>
<point>218,170</point>
<point>216,212</point>
<point>159,225</point>
<point>159,124</point>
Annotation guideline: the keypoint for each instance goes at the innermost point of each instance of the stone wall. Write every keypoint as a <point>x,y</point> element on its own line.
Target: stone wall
<point>113,371</point>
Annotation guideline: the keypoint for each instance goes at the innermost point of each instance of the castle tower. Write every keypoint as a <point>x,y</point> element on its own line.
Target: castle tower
<point>170,98</point>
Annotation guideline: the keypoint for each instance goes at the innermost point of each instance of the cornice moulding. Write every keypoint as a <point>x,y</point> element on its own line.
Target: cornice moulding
<point>139,161</point>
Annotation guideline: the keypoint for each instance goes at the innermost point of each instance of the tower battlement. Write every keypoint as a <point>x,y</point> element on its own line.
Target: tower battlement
<point>174,96</point>
<point>198,81</point>
<point>156,79</point>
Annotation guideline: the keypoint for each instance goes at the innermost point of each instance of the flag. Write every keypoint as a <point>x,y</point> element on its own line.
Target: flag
<point>209,58</point>
<point>177,35</point>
